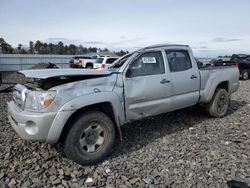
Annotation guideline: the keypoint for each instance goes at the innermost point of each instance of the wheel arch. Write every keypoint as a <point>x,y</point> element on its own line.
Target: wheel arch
<point>209,92</point>
<point>220,85</point>
<point>223,85</point>
<point>107,102</point>
<point>89,64</point>
<point>104,107</point>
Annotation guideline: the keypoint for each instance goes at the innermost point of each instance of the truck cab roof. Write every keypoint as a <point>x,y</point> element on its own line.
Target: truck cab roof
<point>164,46</point>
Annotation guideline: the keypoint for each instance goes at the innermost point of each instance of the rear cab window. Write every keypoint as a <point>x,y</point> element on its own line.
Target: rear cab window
<point>178,60</point>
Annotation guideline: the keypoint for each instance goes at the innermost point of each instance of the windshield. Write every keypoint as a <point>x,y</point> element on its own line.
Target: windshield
<point>119,62</point>
<point>99,60</point>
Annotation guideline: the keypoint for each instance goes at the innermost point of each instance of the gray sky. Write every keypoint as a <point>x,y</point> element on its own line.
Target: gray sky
<point>211,27</point>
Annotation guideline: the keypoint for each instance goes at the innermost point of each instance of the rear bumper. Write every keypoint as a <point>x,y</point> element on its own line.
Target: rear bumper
<point>30,125</point>
<point>97,66</point>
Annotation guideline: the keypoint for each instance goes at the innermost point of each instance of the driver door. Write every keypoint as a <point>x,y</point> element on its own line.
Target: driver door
<point>147,86</point>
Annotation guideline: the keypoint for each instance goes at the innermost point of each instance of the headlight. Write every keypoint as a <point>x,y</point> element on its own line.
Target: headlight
<point>37,100</point>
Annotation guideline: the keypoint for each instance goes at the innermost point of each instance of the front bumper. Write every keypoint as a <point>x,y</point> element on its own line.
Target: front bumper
<point>30,125</point>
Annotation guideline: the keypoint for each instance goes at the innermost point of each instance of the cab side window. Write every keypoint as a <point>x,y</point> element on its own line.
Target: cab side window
<point>149,63</point>
<point>178,60</point>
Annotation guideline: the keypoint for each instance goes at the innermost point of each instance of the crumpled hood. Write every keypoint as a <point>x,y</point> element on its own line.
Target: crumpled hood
<point>52,73</point>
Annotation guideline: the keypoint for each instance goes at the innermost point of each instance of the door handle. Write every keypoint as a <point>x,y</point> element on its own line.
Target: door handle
<point>164,81</point>
<point>193,77</point>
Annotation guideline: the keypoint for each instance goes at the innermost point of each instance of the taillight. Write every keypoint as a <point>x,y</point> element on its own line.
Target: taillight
<point>103,66</point>
<point>237,64</point>
<point>80,61</point>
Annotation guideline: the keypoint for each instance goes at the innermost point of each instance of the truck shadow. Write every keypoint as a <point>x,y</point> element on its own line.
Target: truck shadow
<point>140,133</point>
<point>235,106</point>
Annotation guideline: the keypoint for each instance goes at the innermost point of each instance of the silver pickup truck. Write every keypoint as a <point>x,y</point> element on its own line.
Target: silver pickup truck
<point>84,109</point>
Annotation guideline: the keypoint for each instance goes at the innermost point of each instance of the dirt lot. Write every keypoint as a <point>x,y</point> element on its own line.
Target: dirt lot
<point>185,148</point>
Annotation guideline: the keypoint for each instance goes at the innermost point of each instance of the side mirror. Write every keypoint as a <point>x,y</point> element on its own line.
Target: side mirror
<point>200,64</point>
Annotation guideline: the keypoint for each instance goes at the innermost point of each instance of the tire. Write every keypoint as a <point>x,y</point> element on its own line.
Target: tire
<point>85,143</point>
<point>245,74</point>
<point>219,104</point>
<point>89,67</point>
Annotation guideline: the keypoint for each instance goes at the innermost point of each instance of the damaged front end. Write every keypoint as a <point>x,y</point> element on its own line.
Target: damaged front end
<point>48,78</point>
<point>41,107</point>
<point>48,83</point>
<point>57,86</point>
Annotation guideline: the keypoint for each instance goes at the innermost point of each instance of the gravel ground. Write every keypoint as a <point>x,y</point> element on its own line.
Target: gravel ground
<point>179,149</point>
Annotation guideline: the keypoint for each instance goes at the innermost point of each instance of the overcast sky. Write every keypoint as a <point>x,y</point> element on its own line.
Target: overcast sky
<point>210,27</point>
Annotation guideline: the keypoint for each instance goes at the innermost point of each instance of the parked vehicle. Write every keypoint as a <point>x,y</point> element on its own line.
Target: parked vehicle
<point>104,62</point>
<point>84,109</point>
<point>243,62</point>
<point>74,62</point>
<point>89,63</point>
<point>82,61</point>
<point>223,63</point>
<point>235,57</point>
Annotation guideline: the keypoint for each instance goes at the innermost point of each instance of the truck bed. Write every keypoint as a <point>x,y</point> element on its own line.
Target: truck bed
<point>210,76</point>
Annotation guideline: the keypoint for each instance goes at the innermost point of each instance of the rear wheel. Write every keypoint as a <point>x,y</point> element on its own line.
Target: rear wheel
<point>245,74</point>
<point>219,104</point>
<point>90,138</point>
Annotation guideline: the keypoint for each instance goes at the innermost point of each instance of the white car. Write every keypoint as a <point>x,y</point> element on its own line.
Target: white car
<point>88,62</point>
<point>104,62</point>
<point>85,61</point>
<point>74,62</point>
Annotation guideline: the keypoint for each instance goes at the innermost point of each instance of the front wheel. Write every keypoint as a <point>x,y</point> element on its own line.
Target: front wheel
<point>90,138</point>
<point>219,104</point>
